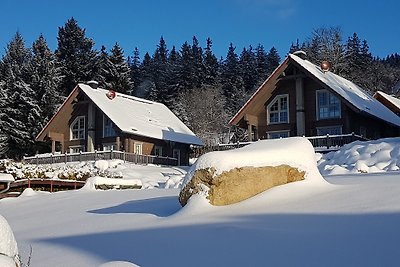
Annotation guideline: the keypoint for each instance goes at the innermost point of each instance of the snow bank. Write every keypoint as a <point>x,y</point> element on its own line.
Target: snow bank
<point>294,151</point>
<point>6,177</point>
<point>363,157</point>
<point>8,245</point>
<point>92,182</point>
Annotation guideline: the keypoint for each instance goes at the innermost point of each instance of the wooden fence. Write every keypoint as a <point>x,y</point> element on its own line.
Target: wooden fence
<point>100,155</point>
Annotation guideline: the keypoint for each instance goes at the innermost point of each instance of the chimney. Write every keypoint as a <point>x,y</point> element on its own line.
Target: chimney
<point>301,54</point>
<point>93,84</point>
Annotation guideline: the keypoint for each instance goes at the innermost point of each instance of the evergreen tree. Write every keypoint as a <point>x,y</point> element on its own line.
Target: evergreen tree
<point>147,85</point>
<point>247,65</point>
<point>273,60</point>
<point>119,71</point>
<point>102,68</point>
<point>198,70</point>
<point>134,64</point>
<point>187,80</point>
<point>76,54</point>
<point>262,65</point>
<point>22,111</point>
<point>45,79</point>
<point>3,136</point>
<point>211,65</point>
<point>160,74</point>
<point>233,88</point>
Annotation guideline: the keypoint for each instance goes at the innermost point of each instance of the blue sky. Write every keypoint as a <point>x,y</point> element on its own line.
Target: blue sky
<point>243,22</point>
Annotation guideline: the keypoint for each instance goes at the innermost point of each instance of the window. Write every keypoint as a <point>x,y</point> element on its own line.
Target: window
<point>75,149</point>
<point>109,146</point>
<point>328,105</point>
<point>138,148</point>
<point>78,128</point>
<point>277,135</point>
<point>331,130</point>
<point>158,151</point>
<point>278,110</point>
<point>108,127</point>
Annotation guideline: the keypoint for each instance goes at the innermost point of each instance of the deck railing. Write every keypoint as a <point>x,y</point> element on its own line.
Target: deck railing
<point>323,143</point>
<point>99,155</point>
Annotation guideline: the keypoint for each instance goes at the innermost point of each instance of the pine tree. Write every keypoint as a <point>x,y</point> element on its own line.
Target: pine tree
<point>4,146</point>
<point>46,77</point>
<point>211,65</point>
<point>247,65</point>
<point>160,74</point>
<point>233,88</point>
<point>119,78</point>
<point>22,111</point>
<point>273,60</point>
<point>262,65</point>
<point>76,54</point>
<point>198,70</point>
<point>134,64</point>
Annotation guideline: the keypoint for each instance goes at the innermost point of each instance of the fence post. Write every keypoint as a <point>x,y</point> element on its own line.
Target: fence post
<point>37,159</point>
<point>124,156</point>
<point>327,141</point>
<point>111,154</point>
<point>80,156</point>
<point>51,185</point>
<point>29,182</point>
<point>95,155</point>
<point>65,157</point>
<point>51,158</point>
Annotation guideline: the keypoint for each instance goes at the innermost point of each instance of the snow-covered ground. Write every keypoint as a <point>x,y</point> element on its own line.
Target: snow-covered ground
<point>352,220</point>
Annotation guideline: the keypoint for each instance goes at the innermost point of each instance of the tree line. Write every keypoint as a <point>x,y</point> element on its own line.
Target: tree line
<point>202,90</point>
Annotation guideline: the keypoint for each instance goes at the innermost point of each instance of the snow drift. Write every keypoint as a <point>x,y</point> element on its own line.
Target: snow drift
<point>363,157</point>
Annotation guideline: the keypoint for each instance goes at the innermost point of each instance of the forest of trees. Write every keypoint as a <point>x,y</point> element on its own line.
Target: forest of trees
<point>202,90</point>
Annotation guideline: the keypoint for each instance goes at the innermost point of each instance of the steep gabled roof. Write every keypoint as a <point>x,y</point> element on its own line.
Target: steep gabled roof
<point>139,116</point>
<point>348,90</point>
<point>395,102</point>
<point>351,92</point>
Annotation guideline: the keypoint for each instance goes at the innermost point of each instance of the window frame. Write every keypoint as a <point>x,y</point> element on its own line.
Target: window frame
<point>112,145</point>
<point>135,148</point>
<point>160,149</point>
<point>277,132</point>
<point>80,147</point>
<point>278,98</point>
<point>329,127</point>
<point>317,106</point>
<point>79,129</point>
<point>109,127</point>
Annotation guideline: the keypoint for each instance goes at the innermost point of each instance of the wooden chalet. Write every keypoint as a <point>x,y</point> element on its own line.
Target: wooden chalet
<point>92,119</point>
<point>302,99</point>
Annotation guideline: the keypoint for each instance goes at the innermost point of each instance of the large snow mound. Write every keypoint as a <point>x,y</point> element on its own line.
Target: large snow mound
<point>363,157</point>
<point>294,151</point>
<point>8,245</point>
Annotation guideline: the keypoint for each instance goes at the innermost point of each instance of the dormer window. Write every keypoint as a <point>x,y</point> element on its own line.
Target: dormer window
<point>78,128</point>
<point>108,129</point>
<point>278,110</point>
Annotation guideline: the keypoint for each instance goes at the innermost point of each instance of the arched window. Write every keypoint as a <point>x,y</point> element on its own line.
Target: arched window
<point>278,110</point>
<point>78,128</point>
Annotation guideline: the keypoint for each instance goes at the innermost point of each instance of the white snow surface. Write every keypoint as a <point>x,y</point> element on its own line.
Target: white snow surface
<point>350,91</point>
<point>367,157</point>
<point>141,117</point>
<point>8,244</point>
<point>6,177</point>
<point>294,151</point>
<point>352,220</point>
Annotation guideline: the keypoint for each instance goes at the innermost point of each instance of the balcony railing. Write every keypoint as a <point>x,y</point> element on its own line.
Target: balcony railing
<point>99,155</point>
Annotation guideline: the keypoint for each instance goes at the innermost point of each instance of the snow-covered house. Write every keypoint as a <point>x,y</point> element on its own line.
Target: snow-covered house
<point>92,119</point>
<point>389,101</point>
<point>302,99</point>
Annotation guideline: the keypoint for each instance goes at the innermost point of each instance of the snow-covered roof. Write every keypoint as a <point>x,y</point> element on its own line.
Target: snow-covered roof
<point>351,92</point>
<point>141,117</point>
<point>393,100</point>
